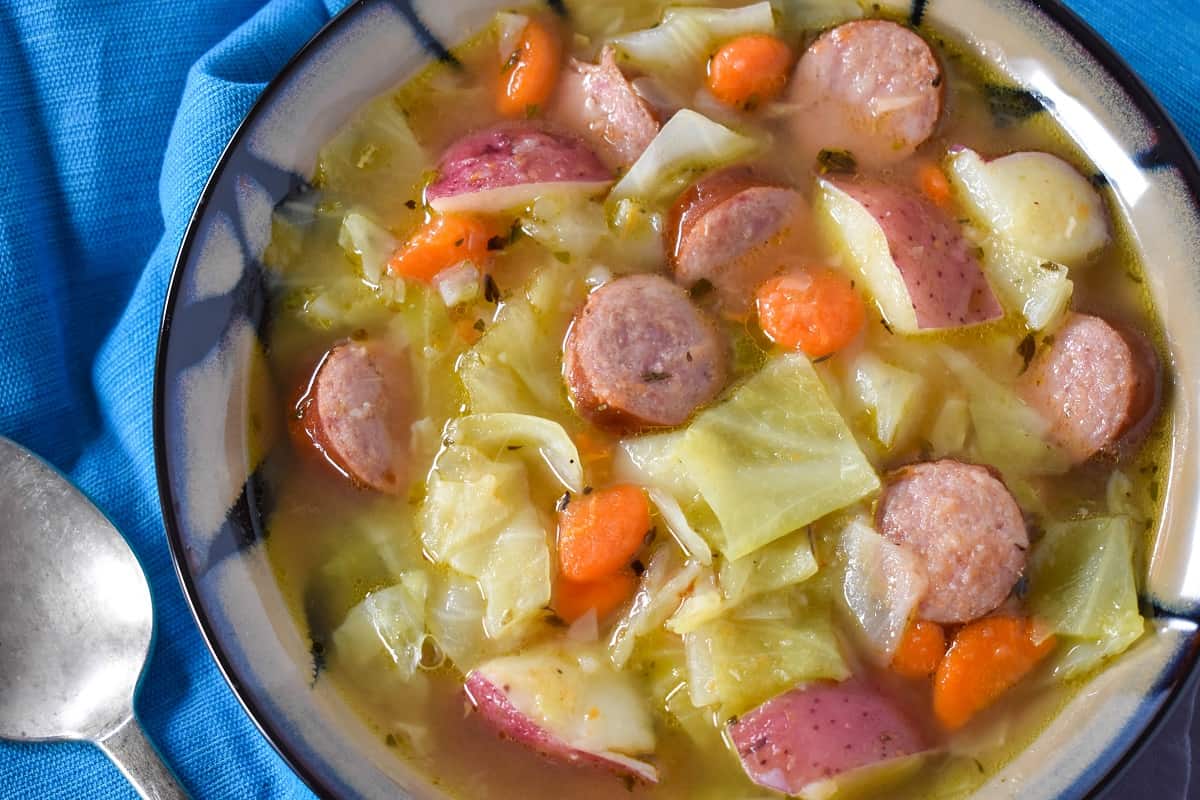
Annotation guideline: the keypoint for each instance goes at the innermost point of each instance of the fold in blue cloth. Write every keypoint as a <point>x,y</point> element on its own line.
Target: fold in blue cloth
<point>91,95</point>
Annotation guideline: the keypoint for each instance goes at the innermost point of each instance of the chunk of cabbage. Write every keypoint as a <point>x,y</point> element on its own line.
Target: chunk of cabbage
<point>378,159</point>
<point>371,245</point>
<point>504,432</point>
<point>774,457</point>
<point>890,394</point>
<point>692,543</point>
<point>738,664</point>
<point>689,144</point>
<point>386,631</point>
<point>782,563</point>
<point>1007,433</point>
<point>951,426</point>
<point>1082,586</point>
<point>1037,289</point>
<point>478,519</point>
<point>567,224</point>
<point>516,365</point>
<point>686,36</point>
<point>805,16</point>
<point>660,591</point>
<point>883,585</point>
<point>703,604</point>
<point>1036,201</point>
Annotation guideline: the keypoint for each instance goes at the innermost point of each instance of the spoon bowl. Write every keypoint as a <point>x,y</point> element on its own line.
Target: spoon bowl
<point>76,622</point>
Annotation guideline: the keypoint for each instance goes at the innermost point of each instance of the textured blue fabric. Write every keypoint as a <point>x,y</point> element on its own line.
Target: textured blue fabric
<point>100,103</point>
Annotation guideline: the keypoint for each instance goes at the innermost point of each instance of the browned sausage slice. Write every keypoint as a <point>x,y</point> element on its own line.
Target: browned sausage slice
<point>871,87</point>
<point>641,355</point>
<point>967,530</point>
<point>1092,384</point>
<point>734,231</point>
<point>818,731</point>
<point>598,102</point>
<point>357,413</point>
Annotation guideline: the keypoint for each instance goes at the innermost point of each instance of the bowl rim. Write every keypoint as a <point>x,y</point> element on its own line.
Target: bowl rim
<point>1173,148</point>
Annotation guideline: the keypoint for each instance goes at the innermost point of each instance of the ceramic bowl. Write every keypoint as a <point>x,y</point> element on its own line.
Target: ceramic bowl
<point>214,504</point>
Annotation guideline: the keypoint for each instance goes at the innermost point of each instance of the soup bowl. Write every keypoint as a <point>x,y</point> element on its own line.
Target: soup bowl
<point>215,503</point>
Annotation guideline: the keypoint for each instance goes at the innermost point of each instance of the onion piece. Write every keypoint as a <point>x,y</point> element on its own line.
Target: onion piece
<point>458,284</point>
<point>685,535</point>
<point>883,585</point>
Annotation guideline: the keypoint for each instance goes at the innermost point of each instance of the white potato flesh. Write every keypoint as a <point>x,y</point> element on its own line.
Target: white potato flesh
<point>857,238</point>
<point>1037,201</point>
<point>575,695</point>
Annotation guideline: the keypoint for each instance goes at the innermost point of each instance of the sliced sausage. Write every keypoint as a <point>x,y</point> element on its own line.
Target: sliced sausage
<point>966,529</point>
<point>1093,384</point>
<point>509,165</point>
<point>944,278</point>
<point>818,731</point>
<point>640,354</point>
<point>357,412</point>
<point>872,88</point>
<point>735,230</point>
<point>599,103</point>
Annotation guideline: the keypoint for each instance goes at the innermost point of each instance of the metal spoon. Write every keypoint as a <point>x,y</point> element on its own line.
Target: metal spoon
<point>75,622</point>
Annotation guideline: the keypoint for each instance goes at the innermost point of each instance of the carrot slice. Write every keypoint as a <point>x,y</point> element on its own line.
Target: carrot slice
<point>601,532</point>
<point>572,600</point>
<point>528,77</point>
<point>442,242</point>
<point>934,184</point>
<point>749,70</point>
<point>987,658</point>
<point>920,651</point>
<point>817,311</point>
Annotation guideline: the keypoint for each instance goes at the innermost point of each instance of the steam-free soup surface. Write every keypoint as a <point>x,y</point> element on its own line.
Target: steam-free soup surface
<point>721,401</point>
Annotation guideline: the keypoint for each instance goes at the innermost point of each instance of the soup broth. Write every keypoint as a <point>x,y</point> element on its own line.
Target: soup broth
<point>403,599</point>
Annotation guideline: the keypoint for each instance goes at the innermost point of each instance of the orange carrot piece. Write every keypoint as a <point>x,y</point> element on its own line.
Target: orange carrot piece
<point>934,184</point>
<point>467,330</point>
<point>921,650</point>
<point>528,77</point>
<point>601,532</point>
<point>572,600</point>
<point>816,311</point>
<point>443,241</point>
<point>987,658</point>
<point>749,70</point>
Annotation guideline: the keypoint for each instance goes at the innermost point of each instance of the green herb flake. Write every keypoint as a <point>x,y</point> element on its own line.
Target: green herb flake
<point>836,162</point>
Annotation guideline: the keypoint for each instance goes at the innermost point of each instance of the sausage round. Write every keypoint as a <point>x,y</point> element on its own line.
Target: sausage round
<point>640,354</point>
<point>598,102</point>
<point>356,412</point>
<point>1092,384</point>
<point>821,730</point>
<point>967,530</point>
<point>944,279</point>
<point>734,231</point>
<point>510,164</point>
<point>872,88</point>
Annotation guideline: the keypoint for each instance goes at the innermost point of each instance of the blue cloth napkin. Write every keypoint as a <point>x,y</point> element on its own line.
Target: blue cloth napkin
<point>92,95</point>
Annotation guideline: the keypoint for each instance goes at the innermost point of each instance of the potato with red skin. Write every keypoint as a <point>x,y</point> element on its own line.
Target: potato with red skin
<point>356,412</point>
<point>508,165</point>
<point>816,732</point>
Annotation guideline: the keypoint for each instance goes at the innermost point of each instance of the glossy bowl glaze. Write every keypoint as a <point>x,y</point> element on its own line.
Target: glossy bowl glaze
<point>214,503</point>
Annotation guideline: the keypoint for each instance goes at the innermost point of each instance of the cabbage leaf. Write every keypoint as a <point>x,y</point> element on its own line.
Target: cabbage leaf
<point>883,585</point>
<point>386,630</point>
<point>774,457</point>
<point>686,36</point>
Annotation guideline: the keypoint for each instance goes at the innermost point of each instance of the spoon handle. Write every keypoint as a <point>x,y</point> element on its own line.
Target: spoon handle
<point>140,763</point>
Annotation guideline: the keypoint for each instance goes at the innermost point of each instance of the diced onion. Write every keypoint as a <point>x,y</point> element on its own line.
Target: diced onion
<point>458,284</point>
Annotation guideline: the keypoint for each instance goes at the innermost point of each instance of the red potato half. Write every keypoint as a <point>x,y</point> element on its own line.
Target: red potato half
<point>910,256</point>
<point>356,412</point>
<point>819,731</point>
<point>735,231</point>
<point>572,708</point>
<point>508,166</point>
<point>598,103</point>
